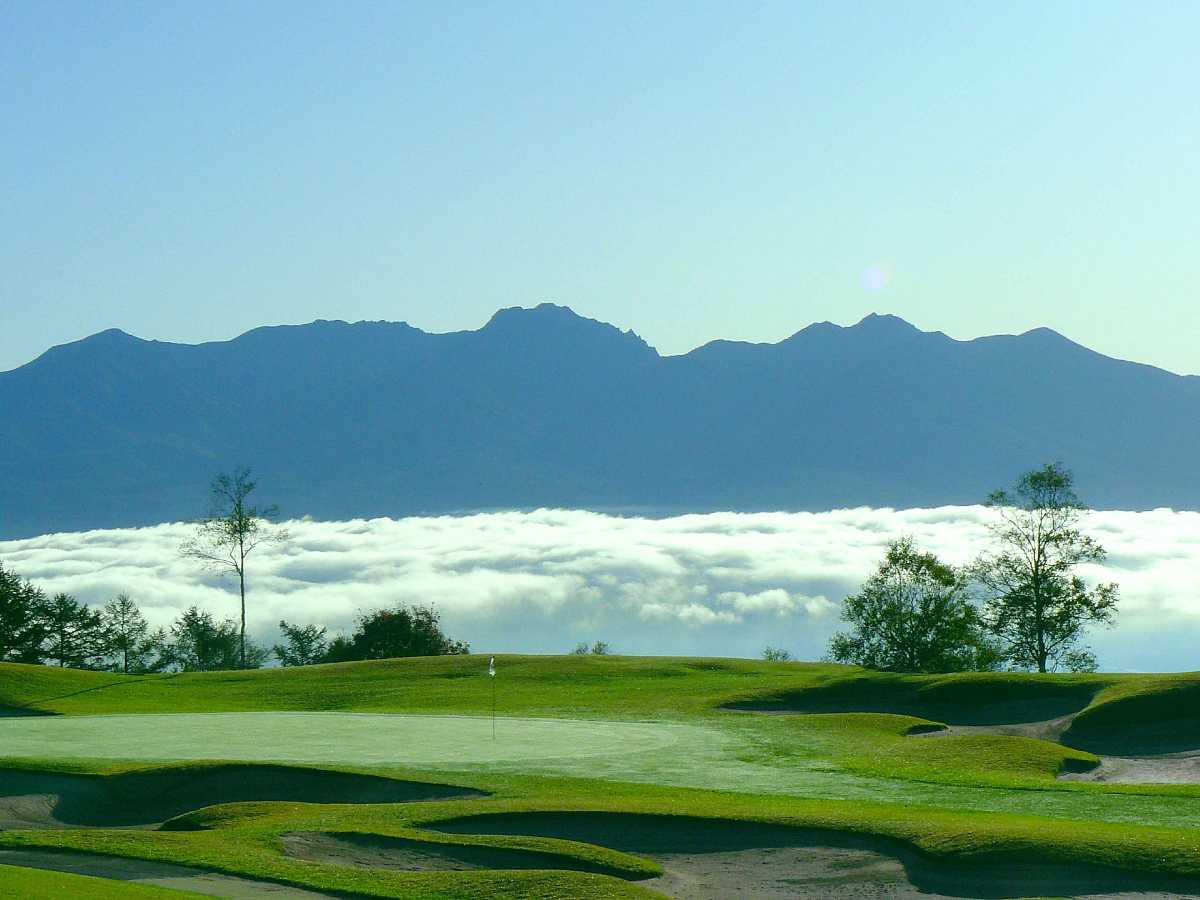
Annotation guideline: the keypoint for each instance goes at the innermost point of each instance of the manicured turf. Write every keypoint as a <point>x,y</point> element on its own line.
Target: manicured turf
<point>356,738</point>
<point>632,736</point>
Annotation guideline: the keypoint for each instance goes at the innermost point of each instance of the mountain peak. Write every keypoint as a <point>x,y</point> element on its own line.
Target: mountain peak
<point>550,323</point>
<point>884,323</point>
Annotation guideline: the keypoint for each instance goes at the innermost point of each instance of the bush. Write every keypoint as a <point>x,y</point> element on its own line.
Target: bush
<point>395,632</point>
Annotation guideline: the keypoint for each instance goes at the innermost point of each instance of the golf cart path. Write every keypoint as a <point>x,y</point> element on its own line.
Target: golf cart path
<point>166,875</point>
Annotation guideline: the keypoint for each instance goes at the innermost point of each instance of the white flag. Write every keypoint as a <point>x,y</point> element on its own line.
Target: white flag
<point>492,667</point>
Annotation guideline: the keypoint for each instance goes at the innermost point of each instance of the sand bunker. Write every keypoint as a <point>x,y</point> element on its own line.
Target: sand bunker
<point>1167,768</point>
<point>371,851</point>
<point>1175,768</point>
<point>156,873</point>
<point>141,799</point>
<point>705,859</point>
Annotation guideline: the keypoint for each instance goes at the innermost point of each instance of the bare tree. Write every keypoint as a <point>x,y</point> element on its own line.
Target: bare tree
<point>232,530</point>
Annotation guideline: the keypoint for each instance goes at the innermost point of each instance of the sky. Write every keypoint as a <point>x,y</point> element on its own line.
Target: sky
<point>719,584</point>
<point>694,170</point>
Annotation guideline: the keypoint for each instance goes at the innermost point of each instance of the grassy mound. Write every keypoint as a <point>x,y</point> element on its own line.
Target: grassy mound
<point>529,685</point>
<point>976,698</point>
<point>376,851</point>
<point>1141,717</point>
<point>149,796</point>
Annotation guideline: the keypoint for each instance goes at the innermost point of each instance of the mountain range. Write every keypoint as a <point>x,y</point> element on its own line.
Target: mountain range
<point>542,407</point>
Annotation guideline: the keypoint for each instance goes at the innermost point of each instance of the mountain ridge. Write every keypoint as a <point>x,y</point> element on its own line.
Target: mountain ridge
<point>544,407</point>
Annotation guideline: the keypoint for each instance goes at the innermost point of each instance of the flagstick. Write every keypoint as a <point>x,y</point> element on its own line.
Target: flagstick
<point>493,707</point>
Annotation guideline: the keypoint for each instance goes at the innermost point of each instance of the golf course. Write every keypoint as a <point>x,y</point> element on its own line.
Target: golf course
<point>600,776</point>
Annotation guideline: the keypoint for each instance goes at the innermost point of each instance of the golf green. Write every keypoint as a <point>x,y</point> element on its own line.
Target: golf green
<point>349,738</point>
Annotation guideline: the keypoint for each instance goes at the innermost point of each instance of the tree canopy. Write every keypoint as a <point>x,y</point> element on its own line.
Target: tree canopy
<point>913,615</point>
<point>1035,603</point>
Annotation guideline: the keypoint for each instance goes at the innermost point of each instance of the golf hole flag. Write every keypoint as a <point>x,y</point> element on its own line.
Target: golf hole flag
<point>492,674</point>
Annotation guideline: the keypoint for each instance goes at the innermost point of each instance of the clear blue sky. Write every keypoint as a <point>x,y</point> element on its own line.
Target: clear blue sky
<point>187,171</point>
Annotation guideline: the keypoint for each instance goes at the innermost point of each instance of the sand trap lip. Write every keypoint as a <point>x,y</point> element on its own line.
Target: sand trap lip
<point>354,738</point>
<point>710,858</point>
<point>144,871</point>
<point>372,851</point>
<point>145,798</point>
<point>1167,768</point>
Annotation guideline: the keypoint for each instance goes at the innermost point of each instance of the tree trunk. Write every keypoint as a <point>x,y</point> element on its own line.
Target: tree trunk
<point>242,583</point>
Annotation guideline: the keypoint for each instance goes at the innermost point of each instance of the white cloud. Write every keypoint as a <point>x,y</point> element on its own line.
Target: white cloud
<point>718,584</point>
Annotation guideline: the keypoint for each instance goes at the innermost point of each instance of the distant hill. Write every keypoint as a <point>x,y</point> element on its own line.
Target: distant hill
<point>542,407</point>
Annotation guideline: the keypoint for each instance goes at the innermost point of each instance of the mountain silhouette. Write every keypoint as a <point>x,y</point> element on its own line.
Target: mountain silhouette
<point>542,407</point>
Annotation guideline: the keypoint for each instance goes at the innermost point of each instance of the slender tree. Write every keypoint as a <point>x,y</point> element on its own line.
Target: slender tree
<point>128,632</point>
<point>231,532</point>
<point>1034,603</point>
<point>913,615</point>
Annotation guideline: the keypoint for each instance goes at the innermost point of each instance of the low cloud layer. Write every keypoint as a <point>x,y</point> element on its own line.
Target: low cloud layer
<point>721,584</point>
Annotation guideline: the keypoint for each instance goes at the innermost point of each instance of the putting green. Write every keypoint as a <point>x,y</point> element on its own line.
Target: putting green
<point>351,738</point>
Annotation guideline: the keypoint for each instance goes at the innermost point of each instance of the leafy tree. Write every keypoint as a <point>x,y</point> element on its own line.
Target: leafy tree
<point>913,615</point>
<point>128,635</point>
<point>600,648</point>
<point>581,649</point>
<point>776,654</point>
<point>303,646</point>
<point>1035,604</point>
<point>399,631</point>
<point>199,643</point>
<point>74,634</point>
<point>231,532</point>
<point>22,625</point>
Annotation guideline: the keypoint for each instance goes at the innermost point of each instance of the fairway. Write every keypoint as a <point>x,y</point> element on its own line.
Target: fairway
<point>349,738</point>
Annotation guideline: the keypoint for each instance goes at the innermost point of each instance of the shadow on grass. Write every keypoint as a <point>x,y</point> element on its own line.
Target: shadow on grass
<point>962,700</point>
<point>10,712</point>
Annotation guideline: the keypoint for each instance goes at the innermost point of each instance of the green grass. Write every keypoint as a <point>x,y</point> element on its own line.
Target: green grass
<point>38,884</point>
<point>668,746</point>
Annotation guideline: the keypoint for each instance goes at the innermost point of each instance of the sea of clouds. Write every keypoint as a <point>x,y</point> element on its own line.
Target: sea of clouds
<point>720,584</point>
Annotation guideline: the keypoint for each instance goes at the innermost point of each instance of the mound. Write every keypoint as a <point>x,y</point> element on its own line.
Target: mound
<point>373,851</point>
<point>967,699</point>
<point>148,797</point>
<point>156,873</point>
<point>1141,721</point>
<point>712,858</point>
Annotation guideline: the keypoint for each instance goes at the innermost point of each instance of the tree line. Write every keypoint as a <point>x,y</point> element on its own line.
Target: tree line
<point>60,630</point>
<point>1020,605</point>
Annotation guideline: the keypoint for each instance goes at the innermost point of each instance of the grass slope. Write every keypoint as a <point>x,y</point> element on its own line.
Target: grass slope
<point>37,884</point>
